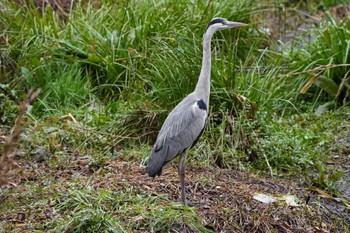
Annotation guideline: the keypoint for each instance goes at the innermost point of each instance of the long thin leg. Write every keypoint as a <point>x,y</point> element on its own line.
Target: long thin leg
<point>182,176</point>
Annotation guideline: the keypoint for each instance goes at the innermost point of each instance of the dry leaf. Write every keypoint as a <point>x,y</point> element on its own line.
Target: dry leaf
<point>264,198</point>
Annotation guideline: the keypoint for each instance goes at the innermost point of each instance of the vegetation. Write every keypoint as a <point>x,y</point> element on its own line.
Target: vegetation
<point>326,61</point>
<point>110,71</point>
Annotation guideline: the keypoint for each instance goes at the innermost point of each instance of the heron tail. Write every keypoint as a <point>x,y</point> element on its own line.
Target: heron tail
<point>155,162</point>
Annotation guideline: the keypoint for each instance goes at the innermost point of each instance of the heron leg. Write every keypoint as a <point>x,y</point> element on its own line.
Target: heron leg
<point>182,176</point>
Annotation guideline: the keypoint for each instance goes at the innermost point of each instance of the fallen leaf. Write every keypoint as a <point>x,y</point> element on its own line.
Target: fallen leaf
<point>138,218</point>
<point>264,198</point>
<point>289,199</point>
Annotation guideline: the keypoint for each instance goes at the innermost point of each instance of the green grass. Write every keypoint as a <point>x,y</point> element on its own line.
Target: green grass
<point>80,187</point>
<point>323,62</point>
<point>121,68</point>
<point>107,211</point>
<point>117,54</point>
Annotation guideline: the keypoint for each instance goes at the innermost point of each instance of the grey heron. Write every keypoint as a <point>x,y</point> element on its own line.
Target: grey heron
<point>185,123</point>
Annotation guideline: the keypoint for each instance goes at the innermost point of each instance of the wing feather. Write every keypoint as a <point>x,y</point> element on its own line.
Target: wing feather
<point>181,129</point>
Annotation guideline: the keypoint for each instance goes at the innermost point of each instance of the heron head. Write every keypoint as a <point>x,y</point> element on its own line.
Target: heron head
<point>222,24</point>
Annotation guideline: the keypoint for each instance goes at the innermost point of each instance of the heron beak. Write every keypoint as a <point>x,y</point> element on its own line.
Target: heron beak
<point>235,24</point>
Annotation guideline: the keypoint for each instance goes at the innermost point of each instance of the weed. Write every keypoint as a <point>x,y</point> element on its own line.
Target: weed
<point>327,178</point>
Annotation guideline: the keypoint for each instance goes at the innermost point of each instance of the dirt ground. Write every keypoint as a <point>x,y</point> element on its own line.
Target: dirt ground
<point>226,201</point>
<point>224,197</point>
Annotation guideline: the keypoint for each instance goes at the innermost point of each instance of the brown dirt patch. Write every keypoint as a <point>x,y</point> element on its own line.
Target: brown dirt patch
<point>226,199</point>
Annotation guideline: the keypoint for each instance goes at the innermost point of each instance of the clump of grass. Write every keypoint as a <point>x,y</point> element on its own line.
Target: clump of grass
<point>63,87</point>
<point>322,63</point>
<point>91,210</point>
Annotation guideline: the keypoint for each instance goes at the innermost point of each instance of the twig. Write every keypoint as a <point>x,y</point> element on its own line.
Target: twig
<point>7,164</point>
<point>266,159</point>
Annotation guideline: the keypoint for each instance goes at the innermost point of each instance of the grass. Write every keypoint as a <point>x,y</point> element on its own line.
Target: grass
<point>324,61</point>
<point>92,212</point>
<point>114,56</point>
<point>79,187</point>
<point>123,74</point>
<point>119,68</point>
<point>81,202</point>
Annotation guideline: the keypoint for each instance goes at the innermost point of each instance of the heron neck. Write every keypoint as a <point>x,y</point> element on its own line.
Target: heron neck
<point>203,85</point>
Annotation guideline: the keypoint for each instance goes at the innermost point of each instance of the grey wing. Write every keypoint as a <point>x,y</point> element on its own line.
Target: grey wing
<point>180,131</point>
